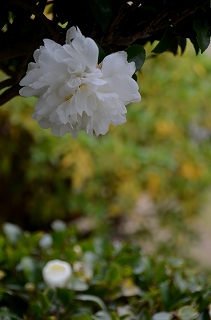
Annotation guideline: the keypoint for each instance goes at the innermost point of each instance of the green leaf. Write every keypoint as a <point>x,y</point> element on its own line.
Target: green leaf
<point>203,34</point>
<point>187,313</point>
<point>195,45</point>
<point>103,248</point>
<point>162,316</point>
<point>102,11</point>
<point>101,54</point>
<point>36,309</point>
<point>29,268</point>
<point>113,275</point>
<point>204,316</point>
<point>137,54</point>
<point>65,295</point>
<point>102,315</point>
<point>77,284</point>
<point>164,43</point>
<point>45,303</point>
<point>82,317</point>
<point>165,294</point>
<point>114,316</point>
<point>134,76</point>
<point>88,297</point>
<point>160,272</point>
<point>5,314</point>
<point>180,282</point>
<point>2,23</point>
<point>144,316</point>
<point>182,42</point>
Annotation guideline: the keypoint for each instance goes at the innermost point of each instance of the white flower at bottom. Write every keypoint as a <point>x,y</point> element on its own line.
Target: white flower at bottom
<point>56,273</point>
<point>74,92</point>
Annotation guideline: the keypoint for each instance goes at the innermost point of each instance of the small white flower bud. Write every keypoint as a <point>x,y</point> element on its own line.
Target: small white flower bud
<point>57,273</point>
<point>46,241</point>
<point>12,232</point>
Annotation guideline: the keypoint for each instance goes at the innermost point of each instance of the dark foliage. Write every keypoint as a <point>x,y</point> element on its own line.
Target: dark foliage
<point>113,24</point>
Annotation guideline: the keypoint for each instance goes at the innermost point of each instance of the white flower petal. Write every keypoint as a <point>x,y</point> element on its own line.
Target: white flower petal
<point>125,87</point>
<point>72,33</point>
<point>28,92</point>
<point>91,53</point>
<point>116,63</point>
<point>31,76</point>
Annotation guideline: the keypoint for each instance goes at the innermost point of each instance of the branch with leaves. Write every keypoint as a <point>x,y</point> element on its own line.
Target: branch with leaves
<point>115,25</point>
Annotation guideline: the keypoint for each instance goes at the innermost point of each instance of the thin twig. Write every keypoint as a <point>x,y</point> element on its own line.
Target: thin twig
<point>6,70</point>
<point>9,94</point>
<point>52,28</point>
<point>161,21</point>
<point>19,49</point>
<point>13,81</point>
<point>117,18</point>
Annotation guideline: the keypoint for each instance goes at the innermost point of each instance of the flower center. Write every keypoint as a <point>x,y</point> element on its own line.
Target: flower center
<point>57,268</point>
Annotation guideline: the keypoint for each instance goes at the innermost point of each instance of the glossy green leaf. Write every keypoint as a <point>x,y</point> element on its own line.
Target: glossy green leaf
<point>103,247</point>
<point>162,316</point>
<point>82,317</point>
<point>114,316</point>
<point>135,77</point>
<point>160,272</point>
<point>180,282</point>
<point>102,315</point>
<point>5,314</point>
<point>164,43</point>
<point>65,295</point>
<point>45,303</point>
<point>101,54</point>
<point>204,316</point>
<point>2,23</point>
<point>89,297</point>
<point>187,313</point>
<point>165,293</point>
<point>113,275</point>
<point>137,54</point>
<point>29,268</point>
<point>102,11</point>
<point>182,42</point>
<point>145,315</point>
<point>203,35</point>
<point>77,284</point>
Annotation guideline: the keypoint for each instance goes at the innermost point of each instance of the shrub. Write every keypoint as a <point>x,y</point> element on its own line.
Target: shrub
<point>109,280</point>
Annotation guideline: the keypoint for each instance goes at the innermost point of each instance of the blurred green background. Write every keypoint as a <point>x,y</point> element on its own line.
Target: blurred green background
<point>148,180</point>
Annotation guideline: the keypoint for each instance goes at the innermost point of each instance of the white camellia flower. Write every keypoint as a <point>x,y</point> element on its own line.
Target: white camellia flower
<point>57,273</point>
<point>74,92</point>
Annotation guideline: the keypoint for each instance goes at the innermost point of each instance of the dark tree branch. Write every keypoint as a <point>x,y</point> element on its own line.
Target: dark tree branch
<point>13,82</point>
<point>10,93</point>
<point>52,28</point>
<point>6,70</point>
<point>138,22</point>
<point>19,49</point>
<point>163,19</point>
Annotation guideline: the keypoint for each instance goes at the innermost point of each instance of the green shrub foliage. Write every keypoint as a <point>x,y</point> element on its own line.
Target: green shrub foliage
<point>163,150</point>
<point>110,280</point>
